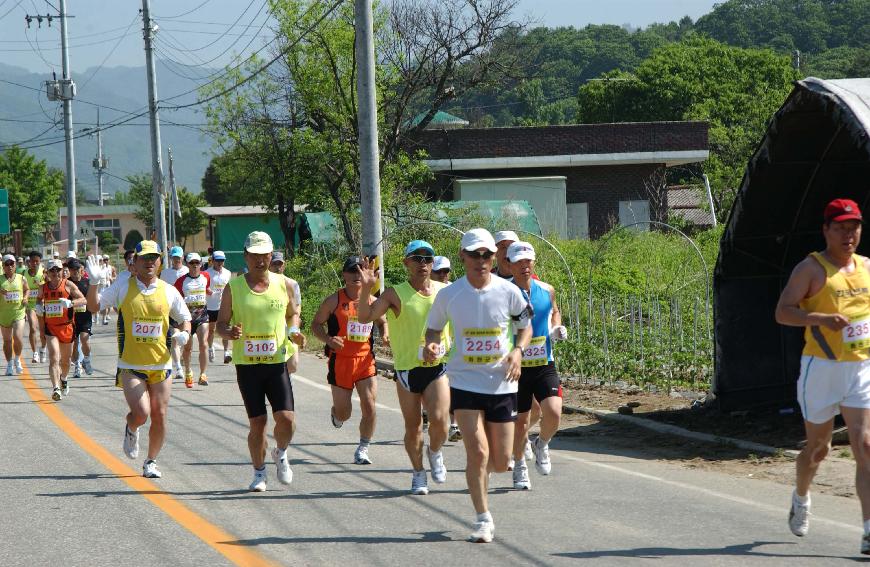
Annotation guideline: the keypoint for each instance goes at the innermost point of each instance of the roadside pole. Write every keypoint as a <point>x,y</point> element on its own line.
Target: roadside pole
<point>148,29</point>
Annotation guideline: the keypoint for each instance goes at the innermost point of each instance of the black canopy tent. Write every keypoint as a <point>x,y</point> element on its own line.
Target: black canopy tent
<point>816,149</point>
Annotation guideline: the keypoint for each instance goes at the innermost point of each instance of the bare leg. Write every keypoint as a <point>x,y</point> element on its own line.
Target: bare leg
<point>54,362</point>
<point>138,400</point>
<point>521,434</point>
<point>341,404</point>
<point>18,336</point>
<point>159,403</point>
<point>257,440</point>
<point>285,427</point>
<point>368,391</point>
<point>410,405</point>
<point>551,416</point>
<point>477,455</point>
<point>7,342</point>
<point>437,399</point>
<point>858,421</point>
<point>817,448</point>
<point>203,348</point>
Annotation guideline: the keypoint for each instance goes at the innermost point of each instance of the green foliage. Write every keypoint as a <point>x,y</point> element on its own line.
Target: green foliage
<point>108,243</point>
<point>192,220</point>
<point>34,192</point>
<point>133,238</point>
<point>220,191</point>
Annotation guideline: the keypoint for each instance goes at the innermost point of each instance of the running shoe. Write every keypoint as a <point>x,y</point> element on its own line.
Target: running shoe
<point>228,358</point>
<point>419,484</point>
<point>799,518</point>
<point>542,456</point>
<point>18,368</point>
<point>86,364</point>
<point>210,354</point>
<point>454,434</point>
<point>259,482</point>
<point>35,359</point>
<point>528,454</point>
<point>77,370</point>
<point>436,465</point>
<point>865,544</point>
<point>361,456</point>
<point>43,356</point>
<point>521,476</point>
<point>188,379</point>
<point>55,395</point>
<point>10,368</point>
<point>483,532</point>
<point>285,475</point>
<point>106,322</point>
<point>335,421</point>
<point>64,387</point>
<point>203,379</point>
<point>150,470</point>
<point>131,442</point>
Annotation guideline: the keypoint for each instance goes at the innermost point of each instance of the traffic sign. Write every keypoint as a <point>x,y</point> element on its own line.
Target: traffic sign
<point>4,212</point>
<point>85,232</point>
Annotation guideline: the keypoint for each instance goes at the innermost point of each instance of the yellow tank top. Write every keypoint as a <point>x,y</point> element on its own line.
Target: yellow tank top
<point>264,325</point>
<point>408,330</point>
<point>848,294</point>
<point>10,302</point>
<point>143,327</point>
<point>33,282</point>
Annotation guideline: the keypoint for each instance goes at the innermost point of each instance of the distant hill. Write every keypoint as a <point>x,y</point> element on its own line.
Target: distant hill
<point>127,146</point>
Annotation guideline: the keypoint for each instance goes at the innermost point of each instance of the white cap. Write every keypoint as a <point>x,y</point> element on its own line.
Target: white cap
<point>105,256</point>
<point>520,251</point>
<point>503,235</point>
<point>55,254</point>
<point>71,254</point>
<point>440,263</point>
<point>259,243</point>
<point>8,257</point>
<point>54,264</point>
<point>193,256</point>
<point>20,259</point>
<point>478,238</point>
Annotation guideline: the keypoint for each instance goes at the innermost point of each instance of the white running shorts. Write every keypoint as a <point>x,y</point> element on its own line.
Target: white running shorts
<point>825,385</point>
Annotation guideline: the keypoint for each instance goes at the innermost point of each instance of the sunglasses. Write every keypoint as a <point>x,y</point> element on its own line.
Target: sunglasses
<point>444,271</point>
<point>480,255</point>
<point>8,263</point>
<point>54,269</point>
<point>422,259</point>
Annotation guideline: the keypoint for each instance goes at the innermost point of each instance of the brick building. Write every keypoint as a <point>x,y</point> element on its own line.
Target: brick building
<point>613,173</point>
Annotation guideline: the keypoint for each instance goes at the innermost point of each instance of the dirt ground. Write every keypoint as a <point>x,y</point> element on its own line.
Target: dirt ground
<point>836,475</point>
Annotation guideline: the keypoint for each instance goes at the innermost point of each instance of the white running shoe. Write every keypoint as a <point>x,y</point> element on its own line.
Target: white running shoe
<point>86,364</point>
<point>361,456</point>
<point>527,452</point>
<point>150,470</point>
<point>483,532</point>
<point>285,475</point>
<point>106,320</point>
<point>131,442</point>
<point>210,354</point>
<point>454,434</point>
<point>18,368</point>
<point>436,466</point>
<point>542,457</point>
<point>43,356</point>
<point>64,387</point>
<point>77,370</point>
<point>35,359</point>
<point>799,518</point>
<point>865,544</point>
<point>419,484</point>
<point>521,476</point>
<point>259,482</point>
<point>55,395</point>
<point>335,422</point>
<point>10,368</point>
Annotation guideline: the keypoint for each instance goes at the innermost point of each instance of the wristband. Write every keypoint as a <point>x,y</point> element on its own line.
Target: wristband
<point>294,330</point>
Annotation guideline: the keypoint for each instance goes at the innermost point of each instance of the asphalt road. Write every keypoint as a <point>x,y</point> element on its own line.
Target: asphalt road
<point>70,497</point>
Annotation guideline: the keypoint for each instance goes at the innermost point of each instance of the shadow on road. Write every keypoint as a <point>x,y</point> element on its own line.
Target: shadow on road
<point>426,537</point>
<point>740,550</point>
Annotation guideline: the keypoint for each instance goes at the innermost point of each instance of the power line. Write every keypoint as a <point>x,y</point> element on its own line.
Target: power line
<point>111,51</point>
<point>183,13</point>
<point>11,9</point>
<point>248,7</point>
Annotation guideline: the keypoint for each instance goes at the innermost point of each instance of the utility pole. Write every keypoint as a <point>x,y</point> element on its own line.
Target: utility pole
<point>100,163</point>
<point>370,183</point>
<point>171,200</point>
<point>64,91</point>
<point>148,30</point>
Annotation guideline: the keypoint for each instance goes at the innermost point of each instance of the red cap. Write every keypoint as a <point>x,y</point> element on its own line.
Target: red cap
<point>840,210</point>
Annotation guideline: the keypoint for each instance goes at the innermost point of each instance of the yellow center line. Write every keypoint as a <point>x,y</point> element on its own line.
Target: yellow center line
<point>220,540</point>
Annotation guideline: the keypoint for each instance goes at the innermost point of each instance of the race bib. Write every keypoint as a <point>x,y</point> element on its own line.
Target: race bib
<point>856,335</point>
<point>483,346</point>
<point>32,294</point>
<point>13,297</point>
<point>358,332</point>
<point>442,352</point>
<point>260,348</point>
<point>53,309</point>
<point>148,330</point>
<point>218,287</point>
<point>536,353</point>
<point>195,297</point>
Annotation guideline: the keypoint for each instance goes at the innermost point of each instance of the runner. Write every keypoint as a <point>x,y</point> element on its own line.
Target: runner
<point>276,266</point>
<point>145,303</point>
<point>538,379</point>
<point>351,362</point>
<point>503,240</point>
<point>489,318</point>
<point>12,313</point>
<point>417,382</point>
<point>195,287</point>
<point>57,296</point>
<point>83,321</point>
<point>828,295</point>
<point>170,275</point>
<point>103,282</point>
<point>255,311</point>
<point>20,267</point>
<point>35,277</point>
<point>441,273</point>
<point>219,277</point>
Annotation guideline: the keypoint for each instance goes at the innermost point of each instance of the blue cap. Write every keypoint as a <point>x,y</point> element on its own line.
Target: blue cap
<point>415,245</point>
<point>176,251</point>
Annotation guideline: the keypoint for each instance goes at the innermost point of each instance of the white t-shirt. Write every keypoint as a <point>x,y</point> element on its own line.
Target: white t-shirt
<point>170,275</point>
<point>219,281</point>
<point>115,294</point>
<point>483,323</point>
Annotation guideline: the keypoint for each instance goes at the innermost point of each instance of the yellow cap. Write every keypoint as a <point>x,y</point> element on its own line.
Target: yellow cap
<point>147,247</point>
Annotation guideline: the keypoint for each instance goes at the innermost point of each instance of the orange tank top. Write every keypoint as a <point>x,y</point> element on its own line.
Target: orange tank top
<point>55,314</point>
<point>343,323</point>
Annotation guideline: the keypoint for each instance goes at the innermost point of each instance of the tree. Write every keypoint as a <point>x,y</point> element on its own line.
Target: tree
<point>108,241</point>
<point>133,238</point>
<point>223,190</point>
<point>192,220</point>
<point>140,194</point>
<point>34,192</point>
<point>736,90</point>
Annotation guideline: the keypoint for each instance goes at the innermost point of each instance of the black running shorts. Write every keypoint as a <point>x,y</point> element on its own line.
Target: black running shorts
<point>259,382</point>
<point>496,408</point>
<point>539,381</point>
<point>416,380</point>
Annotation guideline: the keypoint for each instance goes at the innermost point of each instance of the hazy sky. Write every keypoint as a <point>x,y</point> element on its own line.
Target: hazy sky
<point>108,32</point>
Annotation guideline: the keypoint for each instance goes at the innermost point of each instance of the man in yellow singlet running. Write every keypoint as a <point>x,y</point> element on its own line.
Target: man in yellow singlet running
<point>828,294</point>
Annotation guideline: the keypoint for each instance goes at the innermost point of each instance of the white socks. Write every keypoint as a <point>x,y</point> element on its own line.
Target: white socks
<point>801,500</point>
<point>484,517</point>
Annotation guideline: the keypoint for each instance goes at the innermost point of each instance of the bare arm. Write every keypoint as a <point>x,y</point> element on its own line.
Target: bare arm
<point>367,312</point>
<point>75,294</point>
<point>25,292</point>
<point>799,287</point>
<point>555,314</point>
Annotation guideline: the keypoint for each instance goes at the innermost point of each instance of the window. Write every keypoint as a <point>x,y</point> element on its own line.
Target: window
<point>578,221</point>
<point>100,226</point>
<point>631,212</point>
